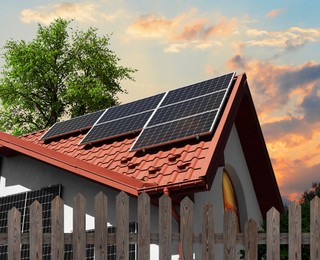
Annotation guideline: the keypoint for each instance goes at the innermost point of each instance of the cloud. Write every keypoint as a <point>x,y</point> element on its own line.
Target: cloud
<point>292,127</point>
<point>151,27</point>
<point>311,106</point>
<point>289,39</point>
<point>296,177</point>
<point>201,29</point>
<point>186,30</point>
<point>277,87</point>
<point>81,12</point>
<point>275,12</point>
<point>46,14</point>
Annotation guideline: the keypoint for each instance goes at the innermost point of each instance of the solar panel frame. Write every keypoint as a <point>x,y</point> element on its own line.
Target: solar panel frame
<point>116,128</point>
<point>187,108</point>
<point>168,132</point>
<point>73,125</point>
<point>198,89</point>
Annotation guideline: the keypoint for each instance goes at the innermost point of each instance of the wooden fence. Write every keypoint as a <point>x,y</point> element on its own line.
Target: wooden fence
<point>208,238</point>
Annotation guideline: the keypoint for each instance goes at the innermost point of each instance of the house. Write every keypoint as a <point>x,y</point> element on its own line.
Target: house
<point>225,161</point>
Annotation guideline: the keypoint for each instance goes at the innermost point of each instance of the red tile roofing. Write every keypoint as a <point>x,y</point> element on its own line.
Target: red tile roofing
<point>181,167</point>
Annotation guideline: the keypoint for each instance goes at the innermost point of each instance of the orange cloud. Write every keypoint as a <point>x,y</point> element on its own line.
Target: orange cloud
<point>151,27</point>
<point>288,39</point>
<point>46,14</point>
<point>275,12</point>
<point>186,30</point>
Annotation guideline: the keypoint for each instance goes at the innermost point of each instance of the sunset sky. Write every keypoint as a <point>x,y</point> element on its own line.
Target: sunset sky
<point>176,43</point>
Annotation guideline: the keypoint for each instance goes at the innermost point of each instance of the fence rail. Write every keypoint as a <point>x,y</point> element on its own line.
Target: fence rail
<point>250,238</point>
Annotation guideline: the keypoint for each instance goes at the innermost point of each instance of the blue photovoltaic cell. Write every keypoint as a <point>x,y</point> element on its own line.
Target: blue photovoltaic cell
<point>198,89</point>
<point>187,108</point>
<point>176,130</point>
<point>117,127</point>
<point>72,125</point>
<point>131,108</point>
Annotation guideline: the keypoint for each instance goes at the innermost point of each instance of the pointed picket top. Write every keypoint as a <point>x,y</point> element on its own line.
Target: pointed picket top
<point>229,234</point>
<point>57,230</point>
<point>122,223</point>
<point>14,234</point>
<point>79,227</point>
<point>35,234</point>
<point>186,228</point>
<point>208,240</point>
<point>101,226</point>
<point>273,234</point>
<point>165,227</point>
<point>294,231</point>
<point>144,226</point>
<point>315,228</point>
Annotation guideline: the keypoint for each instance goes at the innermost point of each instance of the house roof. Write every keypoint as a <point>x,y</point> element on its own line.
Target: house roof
<point>181,168</point>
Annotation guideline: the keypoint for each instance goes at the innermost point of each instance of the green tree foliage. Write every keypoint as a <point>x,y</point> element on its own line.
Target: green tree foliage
<point>63,72</point>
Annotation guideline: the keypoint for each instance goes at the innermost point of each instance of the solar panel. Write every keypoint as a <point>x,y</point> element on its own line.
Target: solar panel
<point>187,108</point>
<point>118,127</point>
<point>176,130</point>
<point>131,108</point>
<point>185,113</point>
<point>72,125</point>
<point>198,89</point>
<point>22,202</point>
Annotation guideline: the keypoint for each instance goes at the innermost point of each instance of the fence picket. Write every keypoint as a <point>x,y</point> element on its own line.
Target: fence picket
<point>14,234</point>
<point>57,229</point>
<point>186,229</point>
<point>251,240</point>
<point>79,229</point>
<point>273,234</point>
<point>35,231</point>
<point>294,231</point>
<point>207,232</point>
<point>144,226</point>
<point>315,228</point>
<point>101,227</point>
<point>165,227</point>
<point>122,222</point>
<point>229,235</point>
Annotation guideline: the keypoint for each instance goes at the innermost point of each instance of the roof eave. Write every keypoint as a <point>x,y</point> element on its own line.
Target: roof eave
<point>10,145</point>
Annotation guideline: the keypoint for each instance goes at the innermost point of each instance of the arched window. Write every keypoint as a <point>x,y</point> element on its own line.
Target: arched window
<point>229,195</point>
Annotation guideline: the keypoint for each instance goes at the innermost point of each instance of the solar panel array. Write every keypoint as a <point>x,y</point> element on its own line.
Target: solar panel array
<point>185,113</point>
<point>124,119</point>
<point>172,116</point>
<point>22,202</point>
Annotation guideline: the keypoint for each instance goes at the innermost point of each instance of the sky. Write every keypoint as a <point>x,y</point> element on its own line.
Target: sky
<point>177,43</point>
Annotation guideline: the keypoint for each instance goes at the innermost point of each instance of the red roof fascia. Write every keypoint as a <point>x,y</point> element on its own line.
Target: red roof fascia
<point>257,156</point>
<point>215,158</point>
<point>68,163</point>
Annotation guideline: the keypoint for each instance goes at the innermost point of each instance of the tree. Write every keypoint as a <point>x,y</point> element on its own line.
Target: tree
<point>61,73</point>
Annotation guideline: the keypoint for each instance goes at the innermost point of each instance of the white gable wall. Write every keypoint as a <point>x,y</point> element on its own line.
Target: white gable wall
<point>236,166</point>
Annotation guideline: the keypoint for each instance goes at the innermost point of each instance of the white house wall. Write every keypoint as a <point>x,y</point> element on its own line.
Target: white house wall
<point>20,173</point>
